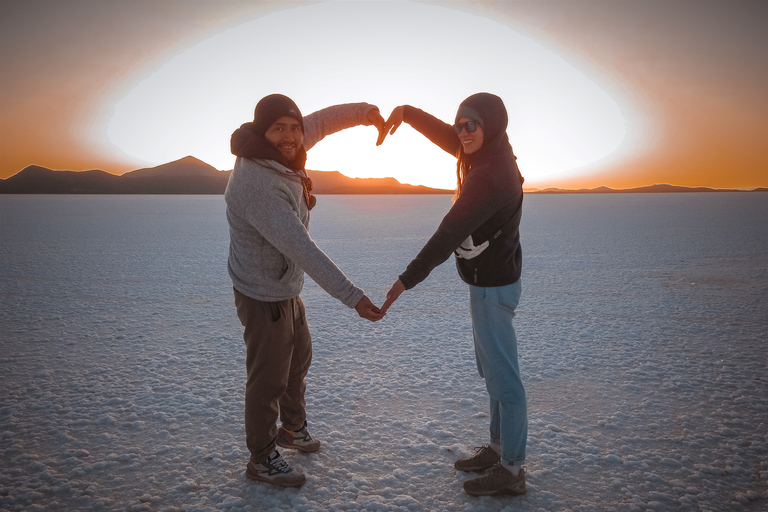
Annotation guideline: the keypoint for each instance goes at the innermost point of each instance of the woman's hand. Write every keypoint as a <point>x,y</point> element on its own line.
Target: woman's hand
<point>392,295</point>
<point>395,120</point>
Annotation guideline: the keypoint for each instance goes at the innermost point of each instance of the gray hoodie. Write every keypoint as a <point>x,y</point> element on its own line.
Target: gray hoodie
<point>270,247</point>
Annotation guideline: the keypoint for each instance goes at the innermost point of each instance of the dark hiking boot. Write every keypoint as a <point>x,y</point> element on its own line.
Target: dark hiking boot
<point>497,481</point>
<point>483,458</point>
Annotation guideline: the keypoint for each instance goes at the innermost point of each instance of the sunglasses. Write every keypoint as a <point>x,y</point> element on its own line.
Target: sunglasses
<point>470,126</point>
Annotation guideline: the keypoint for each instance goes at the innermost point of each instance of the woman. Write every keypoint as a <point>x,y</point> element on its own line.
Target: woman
<point>482,229</point>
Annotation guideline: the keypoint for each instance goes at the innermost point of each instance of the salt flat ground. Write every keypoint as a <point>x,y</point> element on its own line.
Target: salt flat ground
<point>643,333</point>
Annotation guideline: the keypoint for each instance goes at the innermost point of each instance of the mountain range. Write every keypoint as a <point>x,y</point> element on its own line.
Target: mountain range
<point>656,189</point>
<point>192,176</point>
<point>185,176</point>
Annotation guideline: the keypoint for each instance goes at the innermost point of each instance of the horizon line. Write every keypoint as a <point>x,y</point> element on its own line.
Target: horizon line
<point>554,189</point>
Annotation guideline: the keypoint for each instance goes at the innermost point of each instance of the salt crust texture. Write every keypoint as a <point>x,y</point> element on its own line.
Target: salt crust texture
<point>643,339</point>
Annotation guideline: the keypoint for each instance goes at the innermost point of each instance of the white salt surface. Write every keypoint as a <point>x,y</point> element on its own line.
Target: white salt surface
<point>643,329</point>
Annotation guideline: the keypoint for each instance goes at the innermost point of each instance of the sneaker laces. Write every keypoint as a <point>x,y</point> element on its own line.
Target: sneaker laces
<point>277,462</point>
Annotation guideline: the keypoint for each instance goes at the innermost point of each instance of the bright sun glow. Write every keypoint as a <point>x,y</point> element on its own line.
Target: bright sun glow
<point>387,54</point>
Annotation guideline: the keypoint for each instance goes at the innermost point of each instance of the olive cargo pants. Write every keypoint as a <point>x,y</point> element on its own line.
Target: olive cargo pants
<point>278,355</point>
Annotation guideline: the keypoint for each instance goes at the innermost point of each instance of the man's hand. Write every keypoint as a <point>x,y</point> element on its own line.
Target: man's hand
<point>366,309</point>
<point>392,295</point>
<point>394,121</point>
<point>376,120</point>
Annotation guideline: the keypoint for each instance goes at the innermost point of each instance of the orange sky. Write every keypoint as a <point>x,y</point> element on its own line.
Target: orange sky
<point>697,68</point>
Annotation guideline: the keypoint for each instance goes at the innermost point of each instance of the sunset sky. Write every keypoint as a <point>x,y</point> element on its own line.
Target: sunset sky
<point>616,93</point>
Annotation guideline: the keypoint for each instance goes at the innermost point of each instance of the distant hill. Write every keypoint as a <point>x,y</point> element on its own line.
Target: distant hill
<point>185,176</point>
<point>652,189</point>
<point>192,176</point>
<point>333,182</point>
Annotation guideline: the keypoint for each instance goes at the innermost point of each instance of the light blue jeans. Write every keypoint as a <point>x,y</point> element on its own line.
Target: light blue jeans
<point>492,310</point>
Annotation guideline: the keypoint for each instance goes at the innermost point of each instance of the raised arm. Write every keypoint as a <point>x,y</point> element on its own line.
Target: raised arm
<point>339,117</point>
<point>437,131</point>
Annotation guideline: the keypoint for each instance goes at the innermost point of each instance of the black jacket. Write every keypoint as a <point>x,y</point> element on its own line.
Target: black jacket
<point>489,208</point>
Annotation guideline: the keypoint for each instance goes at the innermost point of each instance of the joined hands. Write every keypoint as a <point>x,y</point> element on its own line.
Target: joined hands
<point>392,123</point>
<point>368,310</point>
<point>387,127</point>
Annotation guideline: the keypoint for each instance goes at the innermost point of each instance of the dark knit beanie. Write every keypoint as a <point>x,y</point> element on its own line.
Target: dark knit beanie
<point>273,107</point>
<point>469,113</point>
<point>488,110</point>
<point>248,141</point>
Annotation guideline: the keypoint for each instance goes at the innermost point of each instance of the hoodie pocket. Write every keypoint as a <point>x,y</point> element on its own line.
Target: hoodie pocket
<point>288,272</point>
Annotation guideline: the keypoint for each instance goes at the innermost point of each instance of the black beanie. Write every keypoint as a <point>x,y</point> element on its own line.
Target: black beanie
<point>273,107</point>
<point>248,141</point>
<point>488,110</point>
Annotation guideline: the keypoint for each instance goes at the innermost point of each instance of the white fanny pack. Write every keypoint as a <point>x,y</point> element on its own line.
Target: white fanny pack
<point>468,250</point>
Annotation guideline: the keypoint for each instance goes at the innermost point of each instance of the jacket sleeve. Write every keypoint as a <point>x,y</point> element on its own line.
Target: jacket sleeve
<point>475,206</point>
<point>437,131</point>
<point>272,214</point>
<point>333,119</point>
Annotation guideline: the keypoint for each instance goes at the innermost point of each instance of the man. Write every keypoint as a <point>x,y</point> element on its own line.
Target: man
<point>268,201</point>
